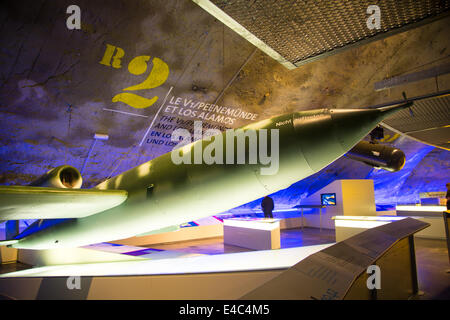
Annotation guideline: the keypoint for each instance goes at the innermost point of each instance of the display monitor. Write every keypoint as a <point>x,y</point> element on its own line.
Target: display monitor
<point>328,199</point>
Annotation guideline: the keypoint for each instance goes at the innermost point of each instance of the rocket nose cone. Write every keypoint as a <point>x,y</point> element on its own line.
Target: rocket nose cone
<point>352,125</point>
<point>397,160</point>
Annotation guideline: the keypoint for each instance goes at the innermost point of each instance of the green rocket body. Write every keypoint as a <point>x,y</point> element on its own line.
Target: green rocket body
<point>162,194</point>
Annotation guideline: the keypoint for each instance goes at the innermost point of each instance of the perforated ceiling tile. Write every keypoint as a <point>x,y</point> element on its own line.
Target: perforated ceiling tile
<point>428,122</point>
<point>296,32</point>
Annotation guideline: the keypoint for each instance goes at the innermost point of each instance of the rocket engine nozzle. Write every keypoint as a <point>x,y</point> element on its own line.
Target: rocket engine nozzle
<point>60,177</point>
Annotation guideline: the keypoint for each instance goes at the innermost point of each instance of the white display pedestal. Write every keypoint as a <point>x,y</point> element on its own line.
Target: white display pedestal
<point>347,226</point>
<point>255,233</point>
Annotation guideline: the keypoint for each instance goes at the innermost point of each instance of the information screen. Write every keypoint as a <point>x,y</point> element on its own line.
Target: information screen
<point>328,199</point>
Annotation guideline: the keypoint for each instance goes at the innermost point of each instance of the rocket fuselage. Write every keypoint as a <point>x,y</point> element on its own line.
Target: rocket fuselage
<point>163,194</point>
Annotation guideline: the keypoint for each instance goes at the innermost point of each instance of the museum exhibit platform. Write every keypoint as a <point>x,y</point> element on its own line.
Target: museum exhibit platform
<point>146,273</point>
<point>353,209</point>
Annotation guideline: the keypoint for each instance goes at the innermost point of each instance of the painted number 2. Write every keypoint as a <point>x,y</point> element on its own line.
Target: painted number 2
<point>139,65</point>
